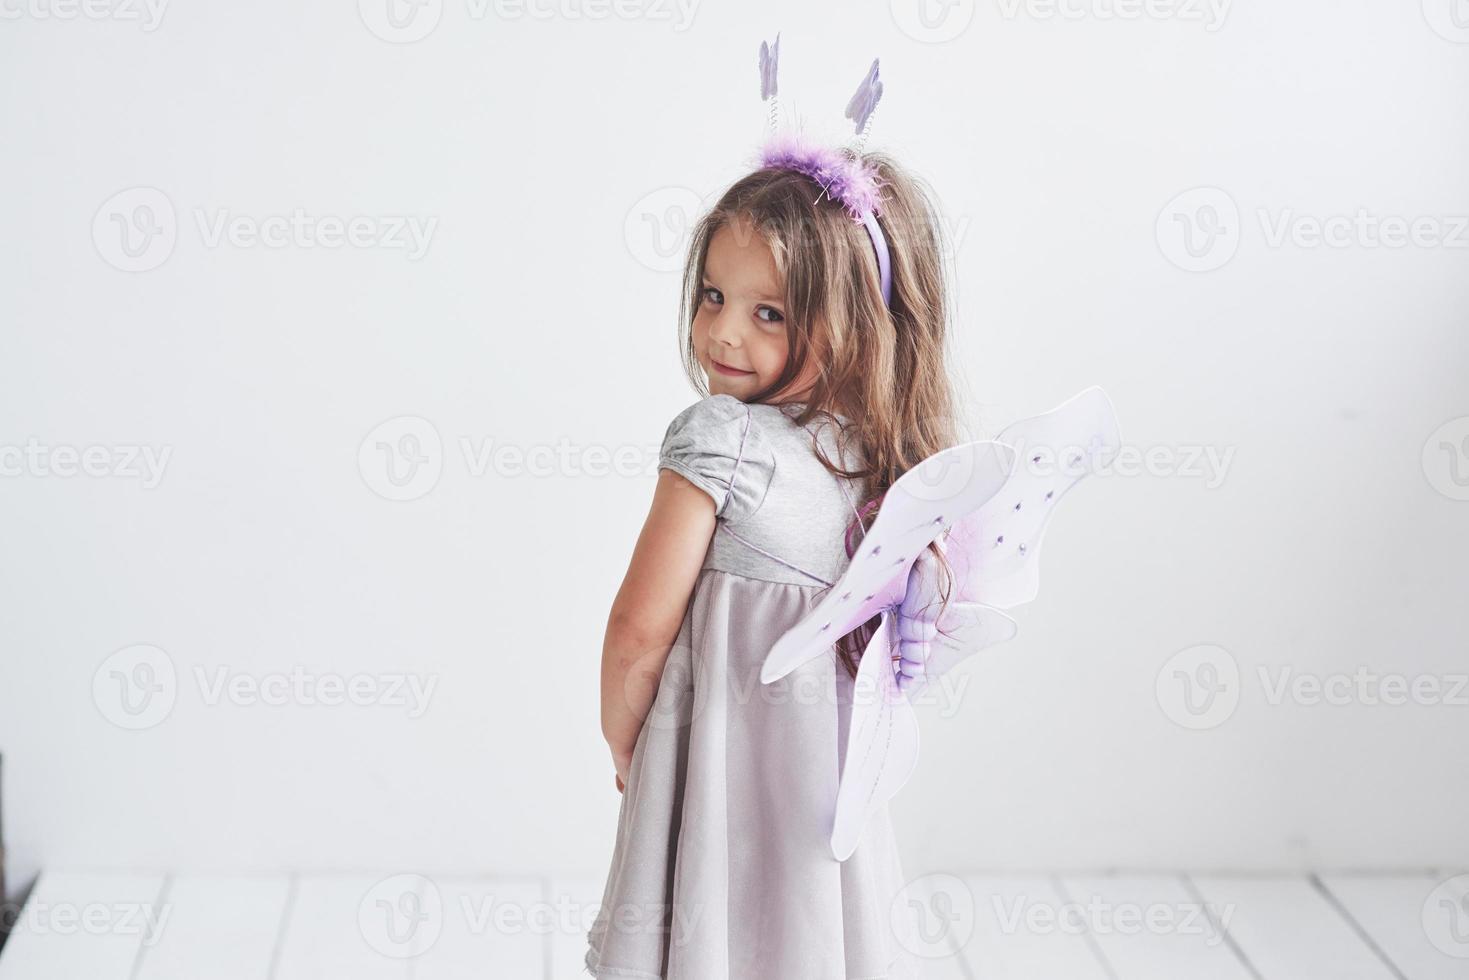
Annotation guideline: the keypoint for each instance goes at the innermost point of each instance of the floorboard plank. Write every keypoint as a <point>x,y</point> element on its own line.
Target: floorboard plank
<point>363,927</point>
<point>491,929</point>
<point>1289,930</point>
<point>1150,927</point>
<point>1418,921</point>
<point>575,902</point>
<point>148,926</point>
<point>221,927</point>
<point>85,926</point>
<point>1024,929</point>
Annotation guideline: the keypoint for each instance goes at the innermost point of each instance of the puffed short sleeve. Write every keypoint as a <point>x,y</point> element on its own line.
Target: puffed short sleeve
<point>716,445</point>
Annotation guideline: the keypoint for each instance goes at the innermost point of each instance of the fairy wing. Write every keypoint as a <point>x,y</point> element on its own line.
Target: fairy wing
<point>994,551</point>
<point>882,743</point>
<point>992,548</point>
<point>965,629</point>
<point>916,509</point>
<point>998,545</point>
<point>882,735</point>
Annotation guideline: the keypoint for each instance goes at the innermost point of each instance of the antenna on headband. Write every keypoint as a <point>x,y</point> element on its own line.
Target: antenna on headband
<point>863,104</point>
<point>844,177</point>
<point>769,65</point>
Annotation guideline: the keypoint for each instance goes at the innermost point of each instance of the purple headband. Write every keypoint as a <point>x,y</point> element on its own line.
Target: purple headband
<point>849,180</point>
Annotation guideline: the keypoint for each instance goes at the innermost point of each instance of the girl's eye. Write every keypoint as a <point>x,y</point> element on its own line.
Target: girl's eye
<point>774,317</point>
<point>712,295</point>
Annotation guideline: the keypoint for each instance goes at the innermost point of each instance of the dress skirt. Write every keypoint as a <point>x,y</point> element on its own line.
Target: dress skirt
<point>722,867</point>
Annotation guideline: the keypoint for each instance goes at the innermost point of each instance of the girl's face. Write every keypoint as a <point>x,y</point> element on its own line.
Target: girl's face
<point>739,328</point>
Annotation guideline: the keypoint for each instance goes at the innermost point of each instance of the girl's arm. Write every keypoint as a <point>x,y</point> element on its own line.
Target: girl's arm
<point>649,608</point>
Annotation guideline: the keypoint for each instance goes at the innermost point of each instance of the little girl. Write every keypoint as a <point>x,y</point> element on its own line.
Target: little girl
<point>821,393</point>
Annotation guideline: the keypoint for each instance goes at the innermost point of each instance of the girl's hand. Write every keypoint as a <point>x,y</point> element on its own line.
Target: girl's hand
<point>622,762</point>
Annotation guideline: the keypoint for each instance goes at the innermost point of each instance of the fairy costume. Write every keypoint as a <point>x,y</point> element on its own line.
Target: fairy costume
<point>753,838</point>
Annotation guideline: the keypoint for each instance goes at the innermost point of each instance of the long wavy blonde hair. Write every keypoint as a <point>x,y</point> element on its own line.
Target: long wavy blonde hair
<point>886,370</point>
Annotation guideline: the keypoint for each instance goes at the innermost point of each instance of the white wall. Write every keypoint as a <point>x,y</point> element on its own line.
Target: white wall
<point>545,150</point>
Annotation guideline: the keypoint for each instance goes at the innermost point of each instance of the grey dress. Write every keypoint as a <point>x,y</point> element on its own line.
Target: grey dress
<point>722,868</point>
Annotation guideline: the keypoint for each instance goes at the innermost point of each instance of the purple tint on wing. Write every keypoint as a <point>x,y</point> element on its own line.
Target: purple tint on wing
<point>961,551</point>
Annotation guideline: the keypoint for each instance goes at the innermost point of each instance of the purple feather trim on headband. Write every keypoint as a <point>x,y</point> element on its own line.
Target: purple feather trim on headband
<point>851,181</point>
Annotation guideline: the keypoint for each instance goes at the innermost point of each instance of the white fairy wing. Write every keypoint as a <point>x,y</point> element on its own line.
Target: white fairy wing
<point>916,509</point>
<point>882,735</point>
<point>996,498</point>
<point>995,549</point>
<point>965,628</point>
<point>882,743</point>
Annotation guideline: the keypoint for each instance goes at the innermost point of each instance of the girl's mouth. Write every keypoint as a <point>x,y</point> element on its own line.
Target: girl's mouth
<point>728,371</point>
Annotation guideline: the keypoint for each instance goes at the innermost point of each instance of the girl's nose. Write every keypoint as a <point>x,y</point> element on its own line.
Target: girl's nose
<point>724,330</point>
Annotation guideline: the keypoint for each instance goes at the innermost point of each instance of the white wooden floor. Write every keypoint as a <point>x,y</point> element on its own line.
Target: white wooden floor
<point>82,926</point>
